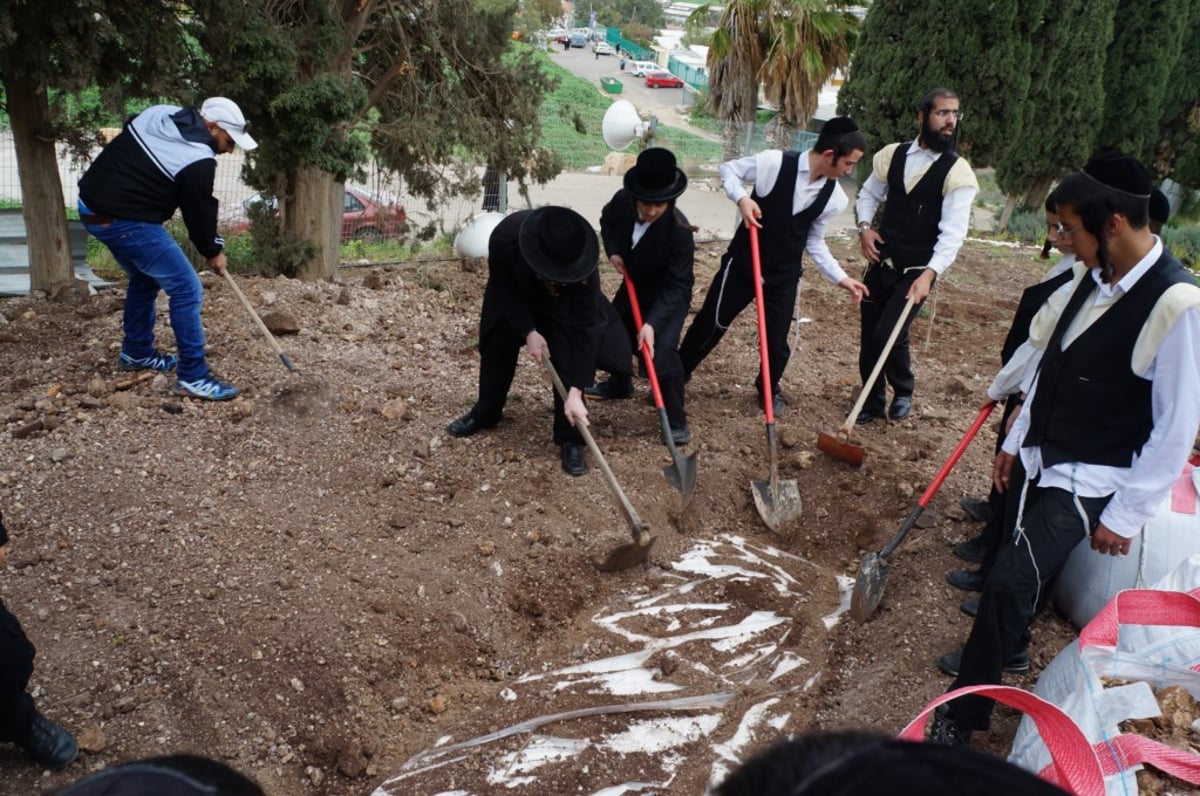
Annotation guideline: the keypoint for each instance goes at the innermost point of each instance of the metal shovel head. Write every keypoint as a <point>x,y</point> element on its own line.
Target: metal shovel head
<point>840,449</point>
<point>868,587</point>
<point>681,475</point>
<point>779,506</point>
<point>628,555</point>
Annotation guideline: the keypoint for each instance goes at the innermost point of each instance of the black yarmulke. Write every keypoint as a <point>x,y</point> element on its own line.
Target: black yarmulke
<point>839,125</point>
<point>1120,173</point>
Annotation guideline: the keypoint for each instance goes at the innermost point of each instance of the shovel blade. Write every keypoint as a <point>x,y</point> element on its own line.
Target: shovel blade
<point>778,506</point>
<point>868,587</point>
<point>628,555</point>
<point>845,451</point>
<point>681,474</point>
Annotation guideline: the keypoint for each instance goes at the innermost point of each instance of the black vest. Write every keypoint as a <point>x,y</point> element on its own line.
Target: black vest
<point>910,220</point>
<point>783,235</point>
<point>1089,405</point>
<point>1031,301</point>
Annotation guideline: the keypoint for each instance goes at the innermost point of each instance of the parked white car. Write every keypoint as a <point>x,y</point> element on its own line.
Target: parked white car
<point>640,68</point>
<point>603,48</point>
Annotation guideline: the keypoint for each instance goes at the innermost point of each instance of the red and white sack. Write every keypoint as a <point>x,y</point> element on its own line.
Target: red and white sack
<point>1149,636</point>
<point>1090,579</point>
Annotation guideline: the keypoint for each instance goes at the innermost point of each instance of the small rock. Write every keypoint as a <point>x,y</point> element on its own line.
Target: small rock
<point>281,323</point>
<point>92,739</point>
<point>344,297</point>
<point>59,455</point>
<point>395,409</point>
<point>373,281</point>
<point>459,622</point>
<point>437,705</point>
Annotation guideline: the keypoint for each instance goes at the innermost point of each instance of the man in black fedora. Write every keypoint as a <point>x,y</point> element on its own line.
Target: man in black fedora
<point>649,240</point>
<point>795,196</point>
<point>1105,429</point>
<point>543,292</point>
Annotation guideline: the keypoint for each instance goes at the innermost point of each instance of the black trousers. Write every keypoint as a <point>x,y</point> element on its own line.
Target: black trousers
<point>731,291</point>
<point>499,347</point>
<point>1023,570</point>
<point>879,313</point>
<point>667,364</point>
<point>1003,510</point>
<point>16,667</point>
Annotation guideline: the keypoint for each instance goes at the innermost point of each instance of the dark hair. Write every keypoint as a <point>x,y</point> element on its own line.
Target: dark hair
<point>777,770</point>
<point>1051,207</point>
<point>1095,203</point>
<point>176,775</point>
<point>842,144</point>
<point>926,104</point>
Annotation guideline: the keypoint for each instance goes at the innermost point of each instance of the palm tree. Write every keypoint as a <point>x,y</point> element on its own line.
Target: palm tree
<point>789,47</point>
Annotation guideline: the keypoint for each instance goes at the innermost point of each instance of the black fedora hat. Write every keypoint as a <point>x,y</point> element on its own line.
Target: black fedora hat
<point>655,178</point>
<point>559,245</point>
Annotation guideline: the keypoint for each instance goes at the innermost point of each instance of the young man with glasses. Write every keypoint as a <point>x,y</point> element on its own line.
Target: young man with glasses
<point>164,160</point>
<point>1107,424</point>
<point>927,191</point>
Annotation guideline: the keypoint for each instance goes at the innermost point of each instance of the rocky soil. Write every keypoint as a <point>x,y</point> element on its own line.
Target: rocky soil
<point>317,585</point>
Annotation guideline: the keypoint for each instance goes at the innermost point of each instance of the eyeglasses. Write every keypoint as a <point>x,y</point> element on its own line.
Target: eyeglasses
<point>946,113</point>
<point>1064,232</point>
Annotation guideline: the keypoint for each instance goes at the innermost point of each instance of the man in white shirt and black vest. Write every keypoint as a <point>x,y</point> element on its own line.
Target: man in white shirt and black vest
<point>795,196</point>
<point>1106,426</point>
<point>927,191</point>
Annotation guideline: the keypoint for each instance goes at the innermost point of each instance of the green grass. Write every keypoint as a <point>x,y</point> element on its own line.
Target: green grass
<point>571,125</point>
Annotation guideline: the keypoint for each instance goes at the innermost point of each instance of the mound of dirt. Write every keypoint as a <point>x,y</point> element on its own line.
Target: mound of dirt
<point>316,584</point>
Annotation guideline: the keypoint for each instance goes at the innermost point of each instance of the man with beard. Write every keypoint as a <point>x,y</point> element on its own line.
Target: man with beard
<point>928,191</point>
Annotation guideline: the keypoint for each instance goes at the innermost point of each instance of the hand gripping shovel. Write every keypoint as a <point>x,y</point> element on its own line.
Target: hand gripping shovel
<point>626,555</point>
<point>872,573</point>
<point>778,501</point>
<point>839,446</point>
<point>681,472</point>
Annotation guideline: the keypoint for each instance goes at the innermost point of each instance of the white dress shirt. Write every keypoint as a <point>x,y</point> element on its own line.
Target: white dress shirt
<point>1017,374</point>
<point>763,170</point>
<point>1173,366</point>
<point>956,204</point>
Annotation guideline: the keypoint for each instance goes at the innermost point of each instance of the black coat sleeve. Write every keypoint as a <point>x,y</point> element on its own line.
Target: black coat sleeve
<point>199,206</point>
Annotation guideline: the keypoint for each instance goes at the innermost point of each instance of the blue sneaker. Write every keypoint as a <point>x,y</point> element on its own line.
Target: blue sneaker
<point>163,363</point>
<point>208,388</point>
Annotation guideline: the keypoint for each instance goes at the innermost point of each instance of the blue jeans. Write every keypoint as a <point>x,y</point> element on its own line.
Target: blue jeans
<point>152,260</point>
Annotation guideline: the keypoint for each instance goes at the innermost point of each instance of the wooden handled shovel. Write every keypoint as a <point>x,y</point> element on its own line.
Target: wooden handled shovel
<point>681,473</point>
<point>629,554</point>
<point>287,361</point>
<point>839,445</point>
<point>778,502</point>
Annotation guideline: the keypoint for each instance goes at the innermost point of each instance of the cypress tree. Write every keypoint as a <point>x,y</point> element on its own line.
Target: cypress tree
<point>1145,48</point>
<point>976,48</point>
<point>1177,153</point>
<point>1061,114</point>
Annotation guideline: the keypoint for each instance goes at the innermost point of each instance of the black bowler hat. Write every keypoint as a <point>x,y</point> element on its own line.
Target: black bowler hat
<point>655,178</point>
<point>1120,173</point>
<point>839,125</point>
<point>559,245</point>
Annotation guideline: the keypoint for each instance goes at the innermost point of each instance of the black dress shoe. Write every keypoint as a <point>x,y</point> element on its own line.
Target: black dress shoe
<point>468,424</point>
<point>610,390</point>
<point>978,510</point>
<point>901,407</point>
<point>972,550</point>
<point>867,416</point>
<point>573,462</point>
<point>969,607</point>
<point>965,580</point>
<point>681,436</point>
<point>945,730</point>
<point>49,744</point>
<point>951,663</point>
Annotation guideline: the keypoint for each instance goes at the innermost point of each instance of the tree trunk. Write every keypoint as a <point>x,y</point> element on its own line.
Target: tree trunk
<point>1036,197</point>
<point>312,210</point>
<point>42,204</point>
<point>1010,204</point>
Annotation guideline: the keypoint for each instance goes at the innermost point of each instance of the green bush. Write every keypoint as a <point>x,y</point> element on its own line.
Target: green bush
<point>1184,243</point>
<point>1028,226</point>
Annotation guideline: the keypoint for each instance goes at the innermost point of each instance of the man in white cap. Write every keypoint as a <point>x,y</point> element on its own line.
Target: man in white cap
<point>164,160</point>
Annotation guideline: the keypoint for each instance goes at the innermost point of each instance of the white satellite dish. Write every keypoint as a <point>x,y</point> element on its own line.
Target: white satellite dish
<point>622,125</point>
<point>472,239</point>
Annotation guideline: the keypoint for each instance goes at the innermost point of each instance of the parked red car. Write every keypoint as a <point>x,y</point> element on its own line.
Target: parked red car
<point>365,215</point>
<point>660,78</point>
